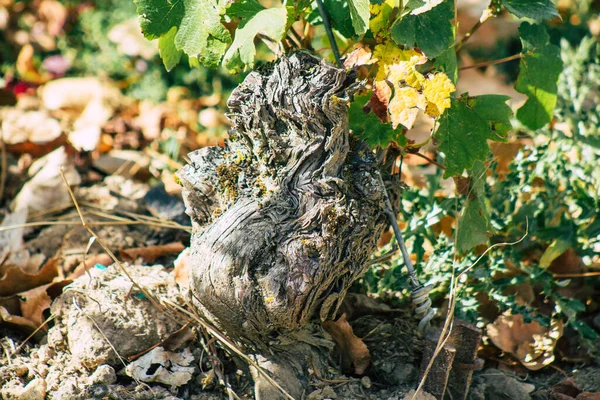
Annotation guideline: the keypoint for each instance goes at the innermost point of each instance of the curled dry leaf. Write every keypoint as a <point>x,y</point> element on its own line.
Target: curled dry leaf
<point>531,343</point>
<point>354,352</point>
<point>46,189</point>
<point>16,281</point>
<point>151,253</point>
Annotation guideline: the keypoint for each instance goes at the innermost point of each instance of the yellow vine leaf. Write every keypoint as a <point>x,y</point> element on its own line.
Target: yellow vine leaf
<point>389,54</point>
<point>381,15</point>
<point>437,89</point>
<point>405,106</point>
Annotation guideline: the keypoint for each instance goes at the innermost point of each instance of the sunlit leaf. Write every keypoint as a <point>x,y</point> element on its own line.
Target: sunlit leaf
<point>539,71</point>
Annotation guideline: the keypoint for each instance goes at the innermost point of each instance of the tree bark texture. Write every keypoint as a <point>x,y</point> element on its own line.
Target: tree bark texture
<point>287,214</point>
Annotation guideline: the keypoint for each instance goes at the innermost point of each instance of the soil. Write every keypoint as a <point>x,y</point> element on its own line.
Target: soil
<point>103,321</point>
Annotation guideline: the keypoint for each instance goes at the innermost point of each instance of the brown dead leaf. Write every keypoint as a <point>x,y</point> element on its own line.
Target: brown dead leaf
<point>354,352</point>
<point>565,390</point>
<point>151,253</point>
<point>358,57</point>
<point>17,281</point>
<point>531,343</point>
<point>505,153</point>
<point>445,226</point>
<point>568,262</point>
<point>90,262</point>
<point>380,99</point>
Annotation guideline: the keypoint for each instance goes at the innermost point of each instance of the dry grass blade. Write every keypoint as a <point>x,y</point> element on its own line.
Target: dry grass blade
<point>106,249</point>
<point>227,343</point>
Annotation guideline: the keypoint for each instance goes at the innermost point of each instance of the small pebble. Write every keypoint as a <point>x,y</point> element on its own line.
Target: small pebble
<point>366,382</point>
<point>104,374</point>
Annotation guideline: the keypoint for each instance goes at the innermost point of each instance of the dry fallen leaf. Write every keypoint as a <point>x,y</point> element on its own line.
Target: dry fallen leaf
<point>46,189</point>
<point>531,343</point>
<point>151,253</point>
<point>16,281</point>
<point>354,352</point>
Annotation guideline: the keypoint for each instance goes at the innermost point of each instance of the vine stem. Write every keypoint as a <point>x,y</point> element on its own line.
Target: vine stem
<point>336,51</point>
<point>487,14</point>
<point>493,62</point>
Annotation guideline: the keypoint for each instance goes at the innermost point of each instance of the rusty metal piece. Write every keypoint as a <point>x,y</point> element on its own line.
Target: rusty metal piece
<point>437,378</point>
<point>465,338</point>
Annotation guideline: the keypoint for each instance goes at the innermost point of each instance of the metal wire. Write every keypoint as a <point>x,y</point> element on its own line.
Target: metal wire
<point>419,293</point>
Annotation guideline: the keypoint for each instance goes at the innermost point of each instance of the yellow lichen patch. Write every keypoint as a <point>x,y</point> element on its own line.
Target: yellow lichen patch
<point>228,178</point>
<point>437,89</point>
<point>405,106</point>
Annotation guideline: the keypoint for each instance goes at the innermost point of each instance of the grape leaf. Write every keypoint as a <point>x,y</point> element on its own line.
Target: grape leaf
<point>369,128</point>
<point>244,9</point>
<point>199,32</point>
<point>539,70</point>
<point>466,126</point>
<point>474,221</point>
<point>430,31</point>
<point>446,62</point>
<point>271,22</point>
<point>534,9</point>
<point>200,23</point>
<point>360,15</point>
<point>167,50</point>
<point>437,89</point>
<point>157,17</point>
<point>339,17</point>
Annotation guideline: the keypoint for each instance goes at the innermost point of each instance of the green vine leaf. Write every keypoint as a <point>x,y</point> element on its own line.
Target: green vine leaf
<point>474,221</point>
<point>539,70</point>
<point>271,22</point>
<point>157,17</point>
<point>534,9</point>
<point>199,31</point>
<point>340,17</point>
<point>368,127</point>
<point>360,14</point>
<point>466,126</point>
<point>169,53</point>
<point>431,31</point>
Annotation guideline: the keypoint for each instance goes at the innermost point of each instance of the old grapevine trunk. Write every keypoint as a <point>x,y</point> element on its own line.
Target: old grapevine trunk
<point>286,215</point>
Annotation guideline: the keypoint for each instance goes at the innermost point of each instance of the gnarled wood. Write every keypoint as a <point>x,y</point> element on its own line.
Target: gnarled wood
<point>285,215</point>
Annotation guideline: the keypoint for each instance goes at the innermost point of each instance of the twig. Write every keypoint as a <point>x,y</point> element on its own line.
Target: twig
<point>383,257</point>
<point>579,275</point>
<point>493,62</point>
<point>423,156</point>
<point>336,51</point>
<point>487,14</point>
